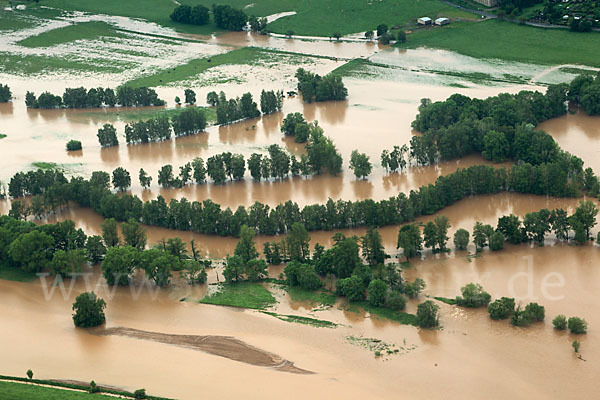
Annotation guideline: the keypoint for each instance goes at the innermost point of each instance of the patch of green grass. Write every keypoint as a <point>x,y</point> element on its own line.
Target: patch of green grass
<point>318,323</point>
<point>241,56</point>
<point>386,313</point>
<point>81,31</point>
<point>12,21</point>
<point>12,390</point>
<point>242,294</point>
<point>314,296</point>
<point>446,300</point>
<point>8,273</point>
<point>35,64</point>
<point>510,41</point>
<point>130,115</point>
<point>44,165</point>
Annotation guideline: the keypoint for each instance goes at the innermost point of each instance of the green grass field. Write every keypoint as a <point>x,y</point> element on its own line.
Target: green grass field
<point>10,21</point>
<point>147,113</point>
<point>509,41</point>
<point>21,391</point>
<point>316,297</point>
<point>244,55</point>
<point>381,312</point>
<point>32,64</point>
<point>82,31</point>
<point>15,274</point>
<point>243,294</point>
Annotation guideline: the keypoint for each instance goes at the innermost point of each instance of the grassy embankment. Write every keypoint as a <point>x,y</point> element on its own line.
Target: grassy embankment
<point>321,18</point>
<point>513,42</point>
<point>17,390</point>
<point>244,294</point>
<point>81,31</point>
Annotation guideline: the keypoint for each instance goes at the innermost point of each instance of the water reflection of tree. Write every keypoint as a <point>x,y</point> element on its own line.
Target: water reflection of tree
<point>331,112</point>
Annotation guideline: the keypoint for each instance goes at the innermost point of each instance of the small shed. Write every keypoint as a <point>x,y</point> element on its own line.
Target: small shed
<point>424,21</point>
<point>442,21</point>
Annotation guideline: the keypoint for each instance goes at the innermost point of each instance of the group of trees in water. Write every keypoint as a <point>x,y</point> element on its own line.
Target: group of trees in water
<point>585,92</point>
<point>188,122</point>
<point>95,97</point>
<point>385,36</point>
<point>225,17</point>
<point>534,227</point>
<point>5,94</point>
<point>232,110</point>
<point>320,88</point>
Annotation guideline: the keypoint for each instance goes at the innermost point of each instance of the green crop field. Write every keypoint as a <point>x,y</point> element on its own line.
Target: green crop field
<point>10,21</point>
<point>11,390</point>
<point>509,41</point>
<point>33,64</point>
<point>85,30</point>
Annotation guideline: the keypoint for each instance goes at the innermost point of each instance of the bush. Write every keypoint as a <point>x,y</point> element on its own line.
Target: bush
<point>560,322</point>
<point>412,289</point>
<point>501,308</point>
<point>353,288</point>
<point>30,374</point>
<point>394,300</point>
<point>577,325</point>
<point>89,310</point>
<point>140,394</point>
<point>536,311</point>
<point>576,345</point>
<point>520,318</point>
<point>496,241</point>
<point>461,239</point>
<point>73,145</point>
<point>93,387</point>
<point>427,314</point>
<point>473,296</point>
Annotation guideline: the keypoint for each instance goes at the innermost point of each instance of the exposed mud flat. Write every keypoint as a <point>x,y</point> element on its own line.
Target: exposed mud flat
<point>222,346</point>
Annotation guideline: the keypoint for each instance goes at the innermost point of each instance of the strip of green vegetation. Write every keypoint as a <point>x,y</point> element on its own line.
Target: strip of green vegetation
<point>34,64</point>
<point>81,31</point>
<point>324,18</point>
<point>242,56</point>
<point>11,21</point>
<point>8,273</point>
<point>2,135</point>
<point>12,390</point>
<point>314,296</point>
<point>377,346</point>
<point>143,114</point>
<point>18,390</point>
<point>446,300</point>
<point>318,323</point>
<point>398,316</point>
<point>242,294</point>
<point>509,41</point>
<point>44,165</point>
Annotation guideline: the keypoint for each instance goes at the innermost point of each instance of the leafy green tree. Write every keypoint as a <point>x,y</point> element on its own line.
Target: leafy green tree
<point>158,266</point>
<point>121,179</point>
<point>381,29</point>
<point>427,314</point>
<point>229,18</point>
<point>461,239</point>
<point>430,235</point>
<point>67,262</point>
<point>109,232</point>
<point>473,296</point>
<point>134,234</point>
<point>290,123</point>
<point>303,275</point>
<point>195,272</point>
<point>410,241</point>
<point>256,270</point>
<point>496,146</point>
<point>585,214</point>
<point>119,264</point>
<point>369,35</point>
<point>577,325</point>
<point>246,247</point>
<point>100,179</point>
<point>176,247</point>
<point>536,311</point>
<point>501,308</point>
<point>190,96</point>
<point>360,164</point>
<point>520,318</point>
<point>377,291</point>
<point>199,16</point>
<point>165,176</point>
<point>353,288</point>
<point>248,106</point>
<point>441,226</point>
<point>345,257</point>
<point>394,300</point>
<point>31,251</point>
<point>30,374</point>
<point>254,165</point>
<point>510,227</point>
<point>107,136</point>
<point>145,180</point>
<point>479,236</point>
<point>496,241</point>
<point>298,243</point>
<point>234,269</point>
<point>5,94</point>
<point>372,247</point>
<point>560,322</point>
<point>95,249</point>
<point>199,170</point>
<point>401,36</point>
<point>73,145</point>
<point>413,289</point>
<point>88,310</point>
<point>212,98</point>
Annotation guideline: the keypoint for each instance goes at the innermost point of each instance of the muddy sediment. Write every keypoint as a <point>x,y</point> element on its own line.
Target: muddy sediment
<point>222,346</point>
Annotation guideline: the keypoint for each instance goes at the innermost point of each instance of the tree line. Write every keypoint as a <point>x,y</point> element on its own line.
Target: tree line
<point>188,122</point>
<point>232,110</point>
<point>534,227</point>
<point>63,250</point>
<point>317,88</point>
<point>225,17</point>
<point>95,97</point>
<point>584,91</point>
<point>5,94</point>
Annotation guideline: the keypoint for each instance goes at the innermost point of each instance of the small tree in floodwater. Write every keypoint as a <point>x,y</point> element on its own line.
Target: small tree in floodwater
<point>30,374</point>
<point>89,310</point>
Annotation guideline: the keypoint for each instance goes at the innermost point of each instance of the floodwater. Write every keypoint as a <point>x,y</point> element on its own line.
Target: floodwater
<point>471,356</point>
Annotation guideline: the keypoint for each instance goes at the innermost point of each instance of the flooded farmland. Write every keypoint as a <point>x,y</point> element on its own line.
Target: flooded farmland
<point>168,342</point>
